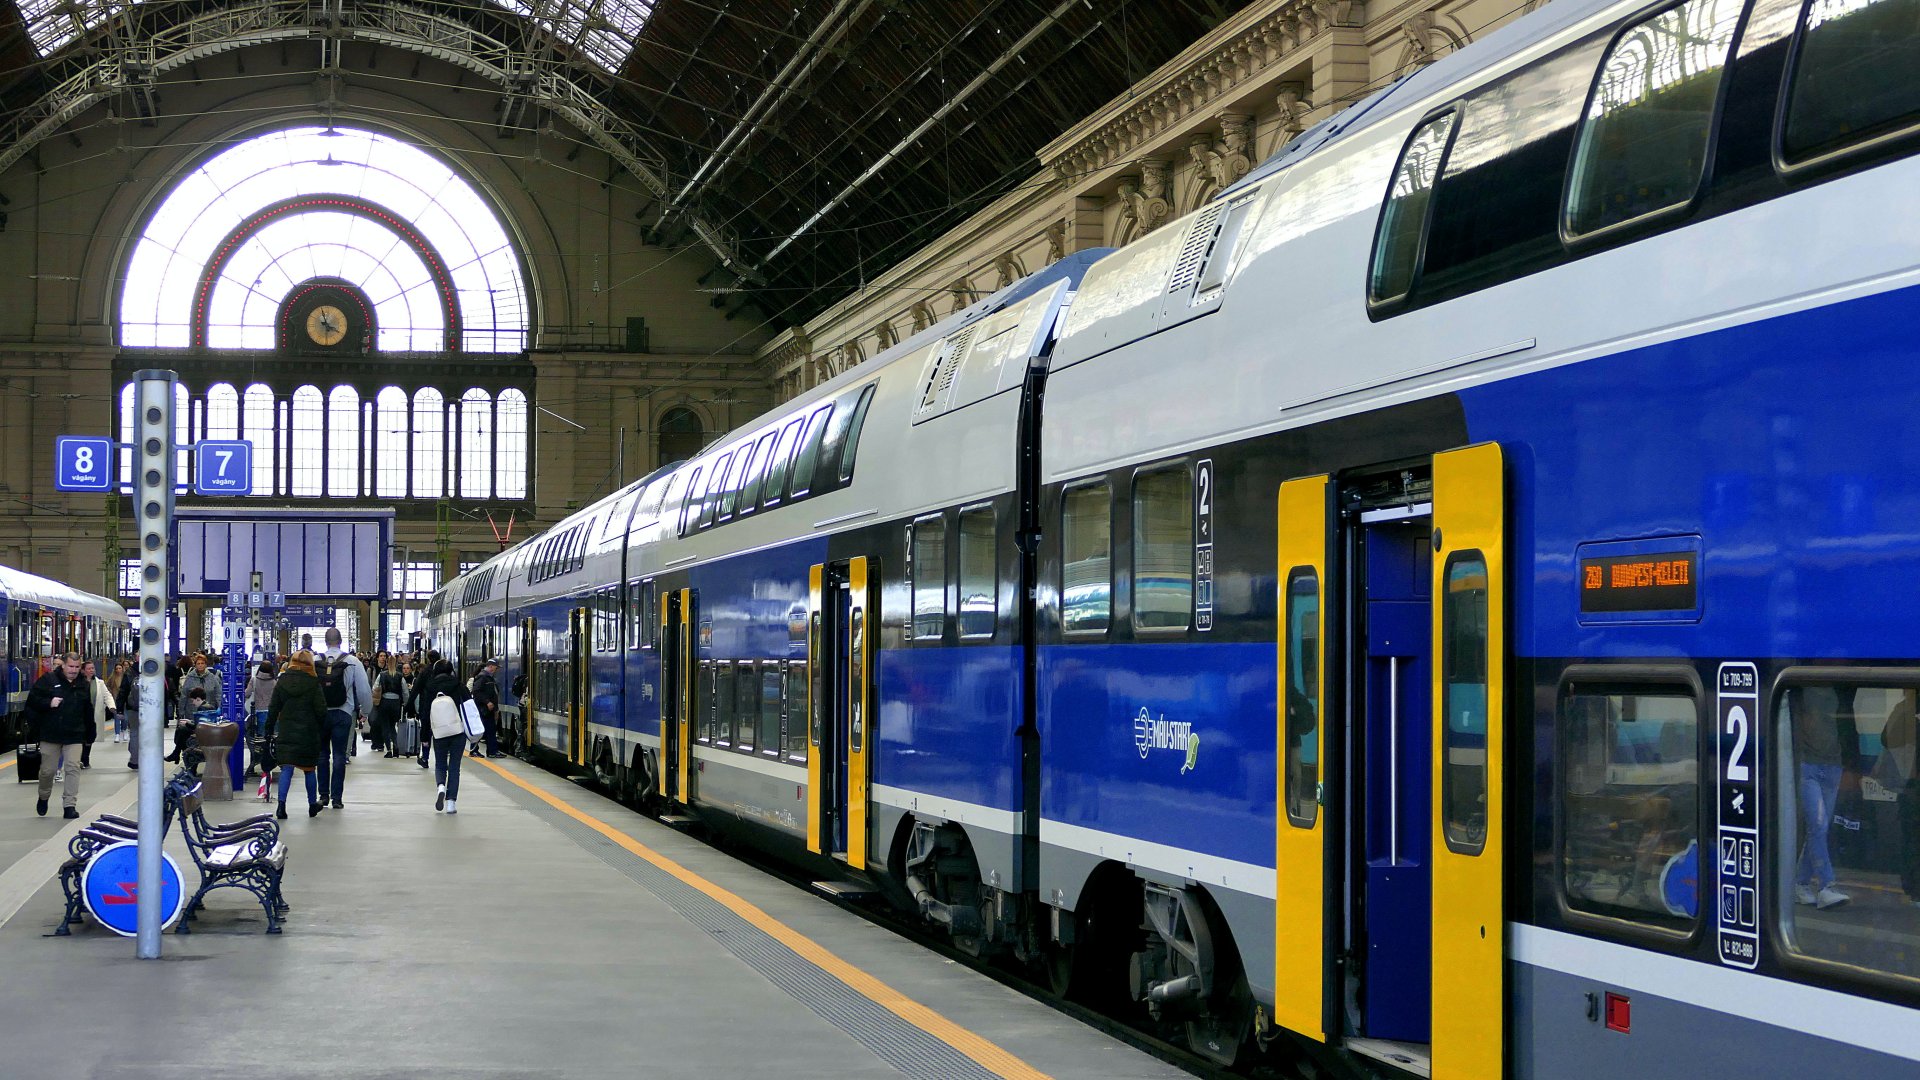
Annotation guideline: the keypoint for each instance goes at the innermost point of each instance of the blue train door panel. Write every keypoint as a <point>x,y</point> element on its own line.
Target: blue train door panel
<point>1395,640</point>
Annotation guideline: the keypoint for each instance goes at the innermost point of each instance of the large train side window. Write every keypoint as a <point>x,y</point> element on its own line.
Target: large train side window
<point>757,473</point>
<point>1163,549</point>
<point>704,703</point>
<point>736,479</point>
<point>927,578</point>
<point>690,505</point>
<point>1855,78</point>
<point>1302,680</point>
<point>776,488</point>
<point>725,697</point>
<point>852,448</point>
<point>710,505</point>
<point>979,590</point>
<point>771,683</point>
<point>746,714</point>
<point>1630,797</point>
<point>1403,221</point>
<point>1642,148</point>
<point>1463,629</point>
<point>795,723</point>
<point>809,452</point>
<point>1846,811</point>
<point>1086,559</point>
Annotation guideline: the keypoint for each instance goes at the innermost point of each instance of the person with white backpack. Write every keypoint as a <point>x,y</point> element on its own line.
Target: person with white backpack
<point>441,697</point>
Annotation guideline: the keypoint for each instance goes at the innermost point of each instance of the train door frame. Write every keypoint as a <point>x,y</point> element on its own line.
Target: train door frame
<point>840,632</point>
<point>529,667</point>
<point>579,681</point>
<point>676,694</point>
<point>1322,870</point>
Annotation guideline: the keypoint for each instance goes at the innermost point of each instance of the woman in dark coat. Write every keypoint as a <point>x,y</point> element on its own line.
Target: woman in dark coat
<point>295,721</point>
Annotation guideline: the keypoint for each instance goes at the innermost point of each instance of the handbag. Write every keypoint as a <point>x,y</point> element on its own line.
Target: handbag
<point>470,713</point>
<point>443,718</point>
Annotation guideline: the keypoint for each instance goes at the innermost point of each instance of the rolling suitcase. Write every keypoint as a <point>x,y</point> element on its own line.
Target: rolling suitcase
<point>406,737</point>
<point>27,763</point>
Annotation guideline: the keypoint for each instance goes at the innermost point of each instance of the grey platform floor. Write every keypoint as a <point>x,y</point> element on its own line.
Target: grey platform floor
<point>514,940</point>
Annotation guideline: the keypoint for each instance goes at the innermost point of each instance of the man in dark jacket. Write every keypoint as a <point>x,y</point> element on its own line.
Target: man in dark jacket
<point>57,710</point>
<point>486,694</point>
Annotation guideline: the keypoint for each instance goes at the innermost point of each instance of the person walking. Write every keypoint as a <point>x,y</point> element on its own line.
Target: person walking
<point>389,697</point>
<point>203,678</point>
<point>440,695</point>
<point>381,662</point>
<point>416,706</point>
<point>297,719</point>
<point>486,694</point>
<point>58,708</point>
<point>100,714</point>
<point>117,681</point>
<point>258,699</point>
<point>343,682</point>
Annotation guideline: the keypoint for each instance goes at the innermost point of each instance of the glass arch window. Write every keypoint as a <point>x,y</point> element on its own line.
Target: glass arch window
<point>476,444</point>
<point>429,443</point>
<point>309,419</point>
<point>223,412</point>
<point>256,412</point>
<point>205,207</point>
<point>343,441</point>
<point>390,443</point>
<point>511,456</point>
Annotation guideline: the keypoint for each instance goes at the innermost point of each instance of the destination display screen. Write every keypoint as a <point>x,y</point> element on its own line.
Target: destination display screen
<point>1666,581</point>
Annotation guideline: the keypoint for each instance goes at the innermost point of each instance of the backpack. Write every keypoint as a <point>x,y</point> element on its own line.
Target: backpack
<point>333,680</point>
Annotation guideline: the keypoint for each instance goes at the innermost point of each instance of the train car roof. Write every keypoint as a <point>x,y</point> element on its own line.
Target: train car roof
<point>18,585</point>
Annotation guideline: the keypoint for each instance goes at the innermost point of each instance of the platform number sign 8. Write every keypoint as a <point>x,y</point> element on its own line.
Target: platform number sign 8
<point>223,468</point>
<point>82,463</point>
<point>1737,848</point>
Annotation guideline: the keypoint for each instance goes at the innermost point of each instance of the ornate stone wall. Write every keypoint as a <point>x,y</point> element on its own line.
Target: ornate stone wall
<point>1174,140</point>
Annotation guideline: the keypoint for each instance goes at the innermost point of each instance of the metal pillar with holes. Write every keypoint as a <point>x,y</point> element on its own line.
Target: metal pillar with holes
<point>153,468</point>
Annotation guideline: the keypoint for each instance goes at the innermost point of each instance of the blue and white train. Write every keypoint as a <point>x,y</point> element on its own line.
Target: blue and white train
<point>1443,604</point>
<point>39,620</point>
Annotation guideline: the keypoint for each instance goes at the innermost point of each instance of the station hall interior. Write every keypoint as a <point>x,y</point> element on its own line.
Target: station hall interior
<point>1275,539</point>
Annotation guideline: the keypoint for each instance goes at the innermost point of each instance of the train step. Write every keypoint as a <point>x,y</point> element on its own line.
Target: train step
<point>676,819</point>
<point>845,890</point>
<point>1414,1058</point>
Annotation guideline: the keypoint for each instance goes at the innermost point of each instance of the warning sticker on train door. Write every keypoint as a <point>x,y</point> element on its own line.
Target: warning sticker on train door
<point>1737,841</point>
<point>1203,545</point>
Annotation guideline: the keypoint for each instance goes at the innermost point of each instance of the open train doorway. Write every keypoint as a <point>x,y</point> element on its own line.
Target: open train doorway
<point>1391,719</point>
<point>839,655</point>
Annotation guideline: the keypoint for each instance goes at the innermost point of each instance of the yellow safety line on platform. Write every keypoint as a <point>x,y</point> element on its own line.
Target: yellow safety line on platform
<point>988,1054</point>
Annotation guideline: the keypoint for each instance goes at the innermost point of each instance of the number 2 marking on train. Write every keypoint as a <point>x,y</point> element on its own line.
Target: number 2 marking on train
<point>1735,855</point>
<point>1203,544</point>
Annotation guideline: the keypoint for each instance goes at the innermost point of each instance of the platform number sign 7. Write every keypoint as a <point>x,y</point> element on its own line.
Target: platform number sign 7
<point>223,468</point>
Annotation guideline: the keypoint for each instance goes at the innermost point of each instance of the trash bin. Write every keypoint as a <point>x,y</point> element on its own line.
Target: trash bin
<point>217,741</point>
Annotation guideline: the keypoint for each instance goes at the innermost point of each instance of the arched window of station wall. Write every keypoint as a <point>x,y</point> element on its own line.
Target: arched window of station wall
<point>681,435</point>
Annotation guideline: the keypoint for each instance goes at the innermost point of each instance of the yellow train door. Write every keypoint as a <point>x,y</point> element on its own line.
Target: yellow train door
<point>1300,841</point>
<point>839,661</point>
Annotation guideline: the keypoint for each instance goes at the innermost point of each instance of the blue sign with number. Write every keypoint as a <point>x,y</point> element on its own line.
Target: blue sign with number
<point>110,883</point>
<point>82,463</point>
<point>222,468</point>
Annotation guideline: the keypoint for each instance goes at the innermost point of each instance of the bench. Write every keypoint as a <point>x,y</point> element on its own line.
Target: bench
<point>247,855</point>
<point>110,829</point>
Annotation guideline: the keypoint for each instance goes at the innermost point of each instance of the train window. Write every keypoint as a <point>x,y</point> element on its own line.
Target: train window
<point>845,414</point>
<point>857,678</point>
<point>816,684</point>
<point>1848,817</point>
<point>730,494</point>
<point>1086,560</point>
<point>1496,209</point>
<point>725,699</point>
<point>703,724</point>
<point>1302,682</point>
<point>979,590</point>
<point>1396,246</point>
<point>1630,801</point>
<point>756,473</point>
<point>771,682</point>
<point>776,487</point>
<point>853,434</point>
<point>710,504</point>
<point>1642,147</point>
<point>927,578</point>
<point>795,715</point>
<point>1463,629</point>
<point>1856,78</point>
<point>746,714</point>
<point>690,507</point>
<point>1163,549</point>
<point>809,451</point>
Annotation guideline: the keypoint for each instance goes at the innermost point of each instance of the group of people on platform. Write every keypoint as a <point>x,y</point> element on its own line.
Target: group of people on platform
<point>305,715</point>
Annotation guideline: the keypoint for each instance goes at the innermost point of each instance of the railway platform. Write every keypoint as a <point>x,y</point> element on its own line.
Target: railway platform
<point>543,932</point>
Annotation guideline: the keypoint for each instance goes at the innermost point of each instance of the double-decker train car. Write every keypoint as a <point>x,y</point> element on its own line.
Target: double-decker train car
<point>39,620</point>
<point>1441,604</point>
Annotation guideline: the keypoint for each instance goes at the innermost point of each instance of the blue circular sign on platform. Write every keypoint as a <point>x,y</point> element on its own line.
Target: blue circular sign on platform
<point>108,886</point>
